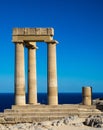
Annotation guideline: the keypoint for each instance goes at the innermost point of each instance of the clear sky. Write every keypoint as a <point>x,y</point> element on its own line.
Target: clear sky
<point>78,26</point>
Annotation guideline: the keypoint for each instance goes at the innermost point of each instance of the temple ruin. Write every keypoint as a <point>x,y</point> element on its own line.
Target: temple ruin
<point>34,112</point>
<point>27,37</point>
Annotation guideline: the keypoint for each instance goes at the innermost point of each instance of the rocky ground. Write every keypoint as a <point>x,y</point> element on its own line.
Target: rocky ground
<point>68,123</point>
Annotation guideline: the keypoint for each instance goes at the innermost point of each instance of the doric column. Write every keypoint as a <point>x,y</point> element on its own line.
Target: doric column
<point>19,74</point>
<point>52,74</point>
<point>87,95</point>
<point>32,83</point>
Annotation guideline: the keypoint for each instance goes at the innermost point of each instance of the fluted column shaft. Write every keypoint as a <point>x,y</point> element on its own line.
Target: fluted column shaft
<point>32,83</point>
<point>52,75</point>
<point>19,74</point>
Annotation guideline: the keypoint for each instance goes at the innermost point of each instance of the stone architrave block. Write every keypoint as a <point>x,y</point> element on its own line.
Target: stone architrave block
<point>18,31</point>
<point>33,31</point>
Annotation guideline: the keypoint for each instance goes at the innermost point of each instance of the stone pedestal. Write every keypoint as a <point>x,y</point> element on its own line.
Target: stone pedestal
<point>87,95</point>
<point>32,83</point>
<point>52,74</point>
<point>19,74</point>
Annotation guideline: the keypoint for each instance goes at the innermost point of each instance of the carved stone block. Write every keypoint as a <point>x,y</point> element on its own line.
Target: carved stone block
<point>33,31</point>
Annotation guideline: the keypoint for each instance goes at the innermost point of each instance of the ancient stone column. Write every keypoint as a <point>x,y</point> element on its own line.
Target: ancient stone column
<point>32,83</point>
<point>52,74</point>
<point>87,95</point>
<point>19,74</point>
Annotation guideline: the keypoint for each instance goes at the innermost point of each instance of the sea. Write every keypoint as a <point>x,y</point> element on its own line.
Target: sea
<point>7,99</point>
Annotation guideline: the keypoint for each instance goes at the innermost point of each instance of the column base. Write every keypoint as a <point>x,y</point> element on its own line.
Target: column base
<point>20,100</point>
<point>87,101</point>
<point>52,100</point>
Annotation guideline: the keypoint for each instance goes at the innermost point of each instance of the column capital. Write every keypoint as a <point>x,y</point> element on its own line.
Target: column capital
<point>20,43</point>
<point>52,41</point>
<point>31,45</point>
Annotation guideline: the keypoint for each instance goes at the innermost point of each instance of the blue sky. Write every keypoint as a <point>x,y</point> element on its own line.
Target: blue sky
<point>78,26</point>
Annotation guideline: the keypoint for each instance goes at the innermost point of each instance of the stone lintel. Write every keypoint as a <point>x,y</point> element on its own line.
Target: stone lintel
<point>31,38</point>
<point>33,31</point>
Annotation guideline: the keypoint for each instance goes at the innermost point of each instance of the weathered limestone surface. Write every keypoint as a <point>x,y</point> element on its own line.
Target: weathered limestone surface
<point>32,81</point>
<point>87,95</point>
<point>32,34</point>
<point>36,113</point>
<point>52,74</point>
<point>33,31</point>
<point>94,121</point>
<point>19,74</point>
